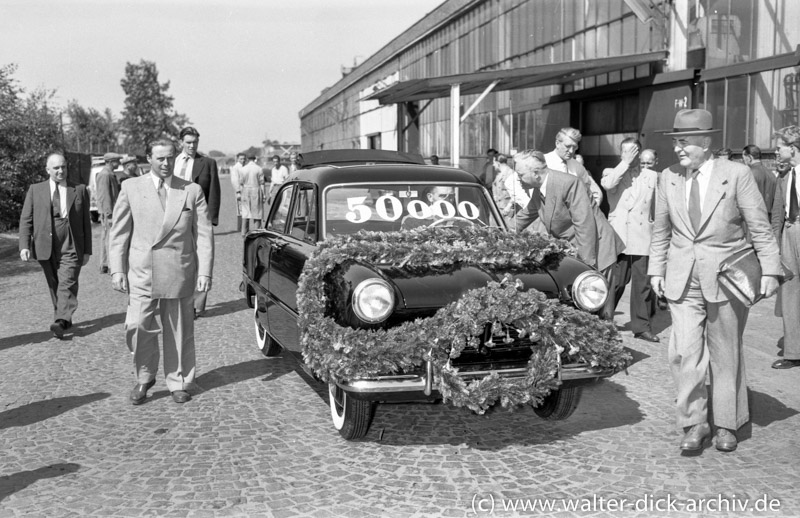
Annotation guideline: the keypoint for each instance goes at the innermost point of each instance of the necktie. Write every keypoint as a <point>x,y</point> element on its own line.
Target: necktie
<point>793,206</point>
<point>162,193</point>
<point>57,202</point>
<point>183,167</point>
<point>694,201</point>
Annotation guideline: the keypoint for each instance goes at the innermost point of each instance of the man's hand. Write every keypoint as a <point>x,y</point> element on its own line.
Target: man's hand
<point>203,283</point>
<point>86,258</point>
<point>25,254</point>
<point>657,283</point>
<point>629,154</point>
<point>119,281</point>
<point>769,285</point>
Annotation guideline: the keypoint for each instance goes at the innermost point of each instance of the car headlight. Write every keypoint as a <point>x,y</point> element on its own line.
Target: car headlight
<point>590,291</point>
<point>373,300</point>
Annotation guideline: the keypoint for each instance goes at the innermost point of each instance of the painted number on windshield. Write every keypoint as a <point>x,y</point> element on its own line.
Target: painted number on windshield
<point>390,208</point>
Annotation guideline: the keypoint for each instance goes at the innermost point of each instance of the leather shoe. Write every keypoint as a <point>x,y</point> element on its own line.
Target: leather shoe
<point>647,335</point>
<point>695,437</point>
<point>726,440</point>
<point>58,327</point>
<point>139,392</point>
<point>181,396</point>
<point>783,363</point>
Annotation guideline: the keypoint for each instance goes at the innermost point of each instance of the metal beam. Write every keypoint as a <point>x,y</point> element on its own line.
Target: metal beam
<point>455,123</point>
<point>479,99</point>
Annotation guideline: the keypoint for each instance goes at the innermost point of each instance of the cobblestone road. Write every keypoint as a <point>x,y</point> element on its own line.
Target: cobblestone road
<point>258,441</point>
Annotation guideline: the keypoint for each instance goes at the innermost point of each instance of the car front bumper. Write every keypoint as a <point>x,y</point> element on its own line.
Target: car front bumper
<point>423,383</point>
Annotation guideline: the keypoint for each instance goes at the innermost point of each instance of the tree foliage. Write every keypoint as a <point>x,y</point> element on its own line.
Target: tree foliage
<point>216,154</point>
<point>90,131</point>
<point>148,112</point>
<point>29,131</point>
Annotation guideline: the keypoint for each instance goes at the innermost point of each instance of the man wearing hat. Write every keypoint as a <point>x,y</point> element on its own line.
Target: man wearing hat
<point>129,170</point>
<point>702,205</point>
<point>106,192</point>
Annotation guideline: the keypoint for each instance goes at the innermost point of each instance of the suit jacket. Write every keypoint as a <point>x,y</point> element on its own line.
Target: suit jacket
<point>107,191</point>
<point>565,214</point>
<point>204,173</point>
<point>732,198</point>
<point>36,221</point>
<point>575,168</point>
<point>161,251</point>
<point>778,213</point>
<point>630,196</point>
<point>766,182</point>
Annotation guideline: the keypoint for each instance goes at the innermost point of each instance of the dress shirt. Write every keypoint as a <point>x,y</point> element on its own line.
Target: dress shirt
<point>187,175</point>
<point>516,191</point>
<point>788,190</point>
<point>167,182</point>
<point>62,193</point>
<point>703,177</point>
<point>279,175</point>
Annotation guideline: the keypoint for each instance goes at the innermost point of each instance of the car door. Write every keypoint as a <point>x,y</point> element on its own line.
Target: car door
<point>287,258</point>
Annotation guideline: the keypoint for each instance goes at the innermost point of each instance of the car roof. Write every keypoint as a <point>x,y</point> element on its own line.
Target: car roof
<point>389,173</point>
<point>311,159</point>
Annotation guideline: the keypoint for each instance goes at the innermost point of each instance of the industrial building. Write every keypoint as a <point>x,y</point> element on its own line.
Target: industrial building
<point>507,74</point>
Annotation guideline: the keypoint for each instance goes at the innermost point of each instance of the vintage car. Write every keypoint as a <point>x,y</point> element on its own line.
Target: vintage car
<point>394,280</point>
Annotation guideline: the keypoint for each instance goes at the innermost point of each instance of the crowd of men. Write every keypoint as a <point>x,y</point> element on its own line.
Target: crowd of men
<point>666,234</point>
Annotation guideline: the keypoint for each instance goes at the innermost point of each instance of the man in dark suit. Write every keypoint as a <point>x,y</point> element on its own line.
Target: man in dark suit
<point>194,167</point>
<point>161,252</point>
<point>702,206</point>
<point>786,227</point>
<point>55,229</point>
<point>559,205</point>
<point>765,179</point>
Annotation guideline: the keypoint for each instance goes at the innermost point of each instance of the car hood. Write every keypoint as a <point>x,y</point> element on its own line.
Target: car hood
<point>434,289</point>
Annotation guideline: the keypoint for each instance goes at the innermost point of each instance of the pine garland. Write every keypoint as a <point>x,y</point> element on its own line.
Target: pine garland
<point>332,350</point>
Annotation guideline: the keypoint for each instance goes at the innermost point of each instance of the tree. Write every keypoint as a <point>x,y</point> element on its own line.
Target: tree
<point>148,112</point>
<point>216,154</point>
<point>29,131</point>
<point>90,131</point>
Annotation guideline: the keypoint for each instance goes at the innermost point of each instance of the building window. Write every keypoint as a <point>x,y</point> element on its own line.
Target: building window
<point>374,141</point>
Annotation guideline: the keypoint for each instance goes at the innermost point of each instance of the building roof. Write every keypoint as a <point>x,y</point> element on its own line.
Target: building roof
<point>509,79</point>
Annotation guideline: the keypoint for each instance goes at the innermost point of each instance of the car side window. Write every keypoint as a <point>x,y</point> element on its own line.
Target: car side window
<point>278,221</point>
<point>304,219</point>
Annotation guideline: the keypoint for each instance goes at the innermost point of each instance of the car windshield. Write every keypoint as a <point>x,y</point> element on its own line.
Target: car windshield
<point>388,207</point>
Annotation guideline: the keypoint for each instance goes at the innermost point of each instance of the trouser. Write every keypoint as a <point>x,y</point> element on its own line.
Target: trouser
<point>105,222</point>
<point>250,224</point>
<point>790,291</point>
<point>62,270</point>
<point>612,277</point>
<point>708,334</point>
<point>177,330</point>
<point>633,269</point>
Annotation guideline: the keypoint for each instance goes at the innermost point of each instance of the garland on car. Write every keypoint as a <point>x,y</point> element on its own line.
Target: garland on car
<point>569,335</point>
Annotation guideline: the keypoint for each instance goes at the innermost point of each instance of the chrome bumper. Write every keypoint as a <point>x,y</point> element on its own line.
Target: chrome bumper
<point>424,382</point>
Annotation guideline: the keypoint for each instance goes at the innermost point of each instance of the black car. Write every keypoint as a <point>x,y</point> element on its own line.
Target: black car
<point>398,281</point>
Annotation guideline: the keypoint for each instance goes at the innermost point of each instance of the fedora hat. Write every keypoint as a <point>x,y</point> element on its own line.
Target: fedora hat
<point>692,122</point>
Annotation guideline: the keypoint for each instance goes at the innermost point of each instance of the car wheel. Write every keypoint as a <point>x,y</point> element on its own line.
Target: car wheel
<point>264,342</point>
<point>351,416</point>
<point>559,404</point>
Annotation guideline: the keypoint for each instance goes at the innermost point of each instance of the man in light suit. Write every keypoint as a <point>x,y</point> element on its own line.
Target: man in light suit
<point>161,251</point>
<point>701,205</point>
<point>562,159</point>
<point>786,226</point>
<point>106,192</point>
<point>559,205</point>
<point>202,170</point>
<point>630,190</point>
<point>55,229</point>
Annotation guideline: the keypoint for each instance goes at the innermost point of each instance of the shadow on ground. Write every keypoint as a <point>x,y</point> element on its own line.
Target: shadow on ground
<point>12,483</point>
<point>42,410</point>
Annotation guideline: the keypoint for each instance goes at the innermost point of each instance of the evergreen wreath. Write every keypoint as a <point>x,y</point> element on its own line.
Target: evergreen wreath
<point>566,334</point>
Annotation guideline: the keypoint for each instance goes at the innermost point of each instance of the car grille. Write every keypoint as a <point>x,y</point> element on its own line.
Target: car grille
<point>503,349</point>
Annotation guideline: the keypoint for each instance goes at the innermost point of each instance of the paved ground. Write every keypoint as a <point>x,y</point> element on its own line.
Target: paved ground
<point>258,440</point>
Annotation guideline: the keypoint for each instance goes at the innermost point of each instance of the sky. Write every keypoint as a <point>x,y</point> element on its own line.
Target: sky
<point>241,70</point>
